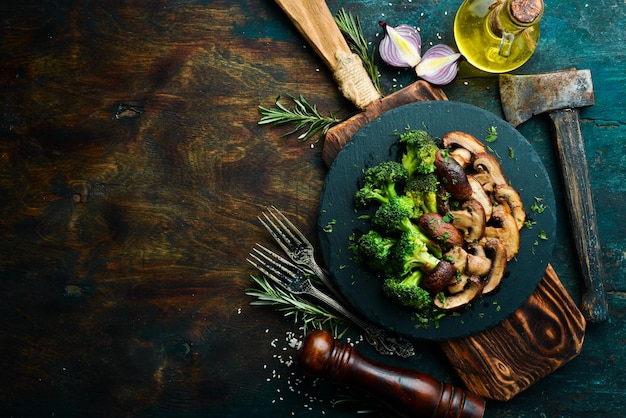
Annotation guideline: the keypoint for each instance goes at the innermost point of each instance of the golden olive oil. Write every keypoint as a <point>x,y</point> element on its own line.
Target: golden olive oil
<point>497,36</point>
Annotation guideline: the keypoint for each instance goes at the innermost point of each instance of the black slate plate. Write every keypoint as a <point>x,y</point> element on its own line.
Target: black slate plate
<point>377,142</point>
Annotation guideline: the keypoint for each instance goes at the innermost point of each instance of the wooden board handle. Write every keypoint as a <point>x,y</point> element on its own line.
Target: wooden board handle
<point>338,135</point>
<point>408,392</point>
<point>315,22</point>
<point>582,213</point>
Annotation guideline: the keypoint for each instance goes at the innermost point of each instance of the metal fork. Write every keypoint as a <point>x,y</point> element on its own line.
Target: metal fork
<point>296,246</point>
<point>294,279</point>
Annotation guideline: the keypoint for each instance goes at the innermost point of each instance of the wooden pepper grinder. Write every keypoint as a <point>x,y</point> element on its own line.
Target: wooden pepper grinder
<point>409,393</point>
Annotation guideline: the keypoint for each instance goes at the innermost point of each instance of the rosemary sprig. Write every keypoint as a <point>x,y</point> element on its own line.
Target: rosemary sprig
<point>305,314</point>
<point>350,27</point>
<point>303,115</point>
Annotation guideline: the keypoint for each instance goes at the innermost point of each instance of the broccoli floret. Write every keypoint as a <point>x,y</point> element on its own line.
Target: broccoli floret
<point>407,292</point>
<point>411,253</point>
<point>381,182</point>
<point>420,152</point>
<point>422,188</point>
<point>373,249</point>
<point>394,216</point>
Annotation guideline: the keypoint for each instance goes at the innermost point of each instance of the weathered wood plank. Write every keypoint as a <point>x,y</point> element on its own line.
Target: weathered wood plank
<point>132,170</point>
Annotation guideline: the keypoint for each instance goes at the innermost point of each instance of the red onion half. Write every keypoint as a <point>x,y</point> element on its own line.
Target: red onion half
<point>401,46</point>
<point>439,65</point>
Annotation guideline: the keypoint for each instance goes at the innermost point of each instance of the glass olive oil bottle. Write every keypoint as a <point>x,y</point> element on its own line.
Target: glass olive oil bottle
<point>498,36</point>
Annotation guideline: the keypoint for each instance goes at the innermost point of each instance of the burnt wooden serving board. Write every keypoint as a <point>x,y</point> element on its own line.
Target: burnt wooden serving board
<point>538,338</point>
<point>541,336</point>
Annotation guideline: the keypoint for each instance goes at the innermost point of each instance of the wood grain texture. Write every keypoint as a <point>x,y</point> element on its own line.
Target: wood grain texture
<point>132,170</point>
<point>582,213</point>
<point>544,334</point>
<point>316,23</point>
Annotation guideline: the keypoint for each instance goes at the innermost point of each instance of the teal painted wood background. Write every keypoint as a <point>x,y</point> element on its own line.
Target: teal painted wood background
<point>124,232</point>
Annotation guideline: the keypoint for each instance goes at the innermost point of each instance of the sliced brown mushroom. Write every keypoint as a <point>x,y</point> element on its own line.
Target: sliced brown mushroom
<point>477,261</point>
<point>439,278</point>
<point>478,265</point>
<point>504,227</point>
<point>443,233</point>
<point>458,284</point>
<point>488,171</point>
<point>508,196</point>
<point>443,200</point>
<point>453,176</point>
<point>458,139</point>
<point>471,292</point>
<point>457,256</point>
<point>498,264</point>
<point>462,156</point>
<point>470,220</point>
<point>478,193</point>
<point>476,248</point>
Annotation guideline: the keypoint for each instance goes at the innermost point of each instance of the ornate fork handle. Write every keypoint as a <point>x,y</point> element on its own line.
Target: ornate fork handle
<point>377,337</point>
<point>293,278</point>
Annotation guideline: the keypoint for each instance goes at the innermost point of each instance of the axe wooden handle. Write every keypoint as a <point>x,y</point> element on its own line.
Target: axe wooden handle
<point>571,151</point>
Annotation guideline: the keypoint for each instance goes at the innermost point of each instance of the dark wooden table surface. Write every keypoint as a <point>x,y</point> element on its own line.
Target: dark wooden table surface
<point>132,172</point>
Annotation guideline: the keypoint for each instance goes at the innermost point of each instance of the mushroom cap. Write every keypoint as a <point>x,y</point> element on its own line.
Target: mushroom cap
<point>503,227</point>
<point>509,197</point>
<point>498,264</point>
<point>478,265</point>
<point>457,256</point>
<point>489,172</point>
<point>470,219</point>
<point>439,278</point>
<point>458,139</point>
<point>478,193</point>
<point>443,233</point>
<point>452,176</point>
<point>471,292</point>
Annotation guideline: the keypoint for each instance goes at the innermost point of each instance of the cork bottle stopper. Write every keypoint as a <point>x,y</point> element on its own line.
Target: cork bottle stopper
<point>526,11</point>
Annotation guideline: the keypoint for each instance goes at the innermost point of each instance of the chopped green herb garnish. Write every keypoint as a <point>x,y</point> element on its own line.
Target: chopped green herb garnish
<point>492,134</point>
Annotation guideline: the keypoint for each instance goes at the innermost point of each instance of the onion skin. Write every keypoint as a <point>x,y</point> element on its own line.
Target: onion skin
<point>439,65</point>
<point>401,47</point>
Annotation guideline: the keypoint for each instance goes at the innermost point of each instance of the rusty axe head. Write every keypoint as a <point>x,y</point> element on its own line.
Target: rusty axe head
<point>523,96</point>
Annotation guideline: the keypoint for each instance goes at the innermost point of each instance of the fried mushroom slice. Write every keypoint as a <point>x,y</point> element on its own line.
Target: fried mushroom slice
<point>488,171</point>
<point>439,278</point>
<point>458,139</point>
<point>498,264</point>
<point>478,265</point>
<point>453,176</point>
<point>471,292</point>
<point>462,156</point>
<point>457,256</point>
<point>470,220</point>
<point>458,284</point>
<point>478,193</point>
<point>436,228</point>
<point>477,261</point>
<point>503,227</point>
<point>509,197</point>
